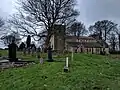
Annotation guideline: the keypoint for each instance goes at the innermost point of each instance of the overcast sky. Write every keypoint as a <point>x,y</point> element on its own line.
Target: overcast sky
<point>90,10</point>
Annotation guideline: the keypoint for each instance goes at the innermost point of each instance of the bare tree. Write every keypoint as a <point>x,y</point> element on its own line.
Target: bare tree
<point>1,22</point>
<point>118,34</point>
<point>2,28</point>
<point>34,15</point>
<point>7,39</point>
<point>113,41</point>
<point>77,29</point>
<point>103,29</point>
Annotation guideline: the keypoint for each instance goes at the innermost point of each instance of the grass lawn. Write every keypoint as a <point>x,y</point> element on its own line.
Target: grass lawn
<point>87,72</point>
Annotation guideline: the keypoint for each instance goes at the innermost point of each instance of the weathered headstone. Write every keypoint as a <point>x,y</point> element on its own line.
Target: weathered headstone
<point>66,68</point>
<point>32,50</point>
<point>24,51</point>
<point>38,53</point>
<point>72,54</point>
<point>12,52</point>
<point>67,62</point>
<point>28,49</point>
<point>41,61</point>
<point>50,54</point>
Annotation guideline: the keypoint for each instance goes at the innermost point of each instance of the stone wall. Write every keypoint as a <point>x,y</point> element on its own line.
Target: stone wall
<point>87,50</point>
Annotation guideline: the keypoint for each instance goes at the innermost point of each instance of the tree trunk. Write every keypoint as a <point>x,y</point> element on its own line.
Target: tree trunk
<point>119,41</point>
<point>113,46</point>
<point>100,36</point>
<point>47,42</point>
<point>105,35</point>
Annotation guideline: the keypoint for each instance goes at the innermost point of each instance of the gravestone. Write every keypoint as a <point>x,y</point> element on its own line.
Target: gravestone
<point>72,54</point>
<point>24,51</point>
<point>28,50</point>
<point>32,50</point>
<point>38,52</point>
<point>12,52</point>
<point>50,54</point>
<point>41,61</point>
<point>66,68</point>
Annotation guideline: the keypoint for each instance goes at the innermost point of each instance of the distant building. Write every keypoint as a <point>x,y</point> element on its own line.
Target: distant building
<point>59,41</point>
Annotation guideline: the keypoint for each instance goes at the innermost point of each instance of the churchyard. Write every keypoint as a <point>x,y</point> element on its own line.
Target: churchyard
<point>59,45</point>
<point>86,72</point>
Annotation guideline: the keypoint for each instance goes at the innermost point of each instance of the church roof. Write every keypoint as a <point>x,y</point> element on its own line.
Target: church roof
<point>97,44</point>
<point>80,37</point>
<point>85,44</point>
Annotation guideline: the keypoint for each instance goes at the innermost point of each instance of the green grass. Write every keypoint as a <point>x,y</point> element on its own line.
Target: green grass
<point>87,72</point>
<point>3,52</point>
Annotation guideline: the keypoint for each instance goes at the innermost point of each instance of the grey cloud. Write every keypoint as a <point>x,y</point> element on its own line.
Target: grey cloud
<point>90,10</point>
<point>3,14</point>
<point>6,7</point>
<point>93,10</point>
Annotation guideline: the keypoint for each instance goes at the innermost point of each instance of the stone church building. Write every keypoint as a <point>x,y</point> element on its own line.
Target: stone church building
<point>86,44</point>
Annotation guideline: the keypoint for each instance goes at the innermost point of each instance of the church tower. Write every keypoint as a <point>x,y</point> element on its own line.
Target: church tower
<point>58,38</point>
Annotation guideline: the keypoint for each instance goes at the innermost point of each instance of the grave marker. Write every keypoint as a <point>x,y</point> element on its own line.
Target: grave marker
<point>72,54</point>
<point>38,52</point>
<point>50,54</point>
<point>12,52</point>
<point>24,51</point>
<point>66,68</point>
<point>41,61</point>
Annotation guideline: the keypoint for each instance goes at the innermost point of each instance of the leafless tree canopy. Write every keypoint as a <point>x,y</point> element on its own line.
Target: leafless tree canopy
<point>38,17</point>
<point>7,39</point>
<point>103,29</point>
<point>113,42</point>
<point>2,27</point>
<point>1,22</point>
<point>77,29</point>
